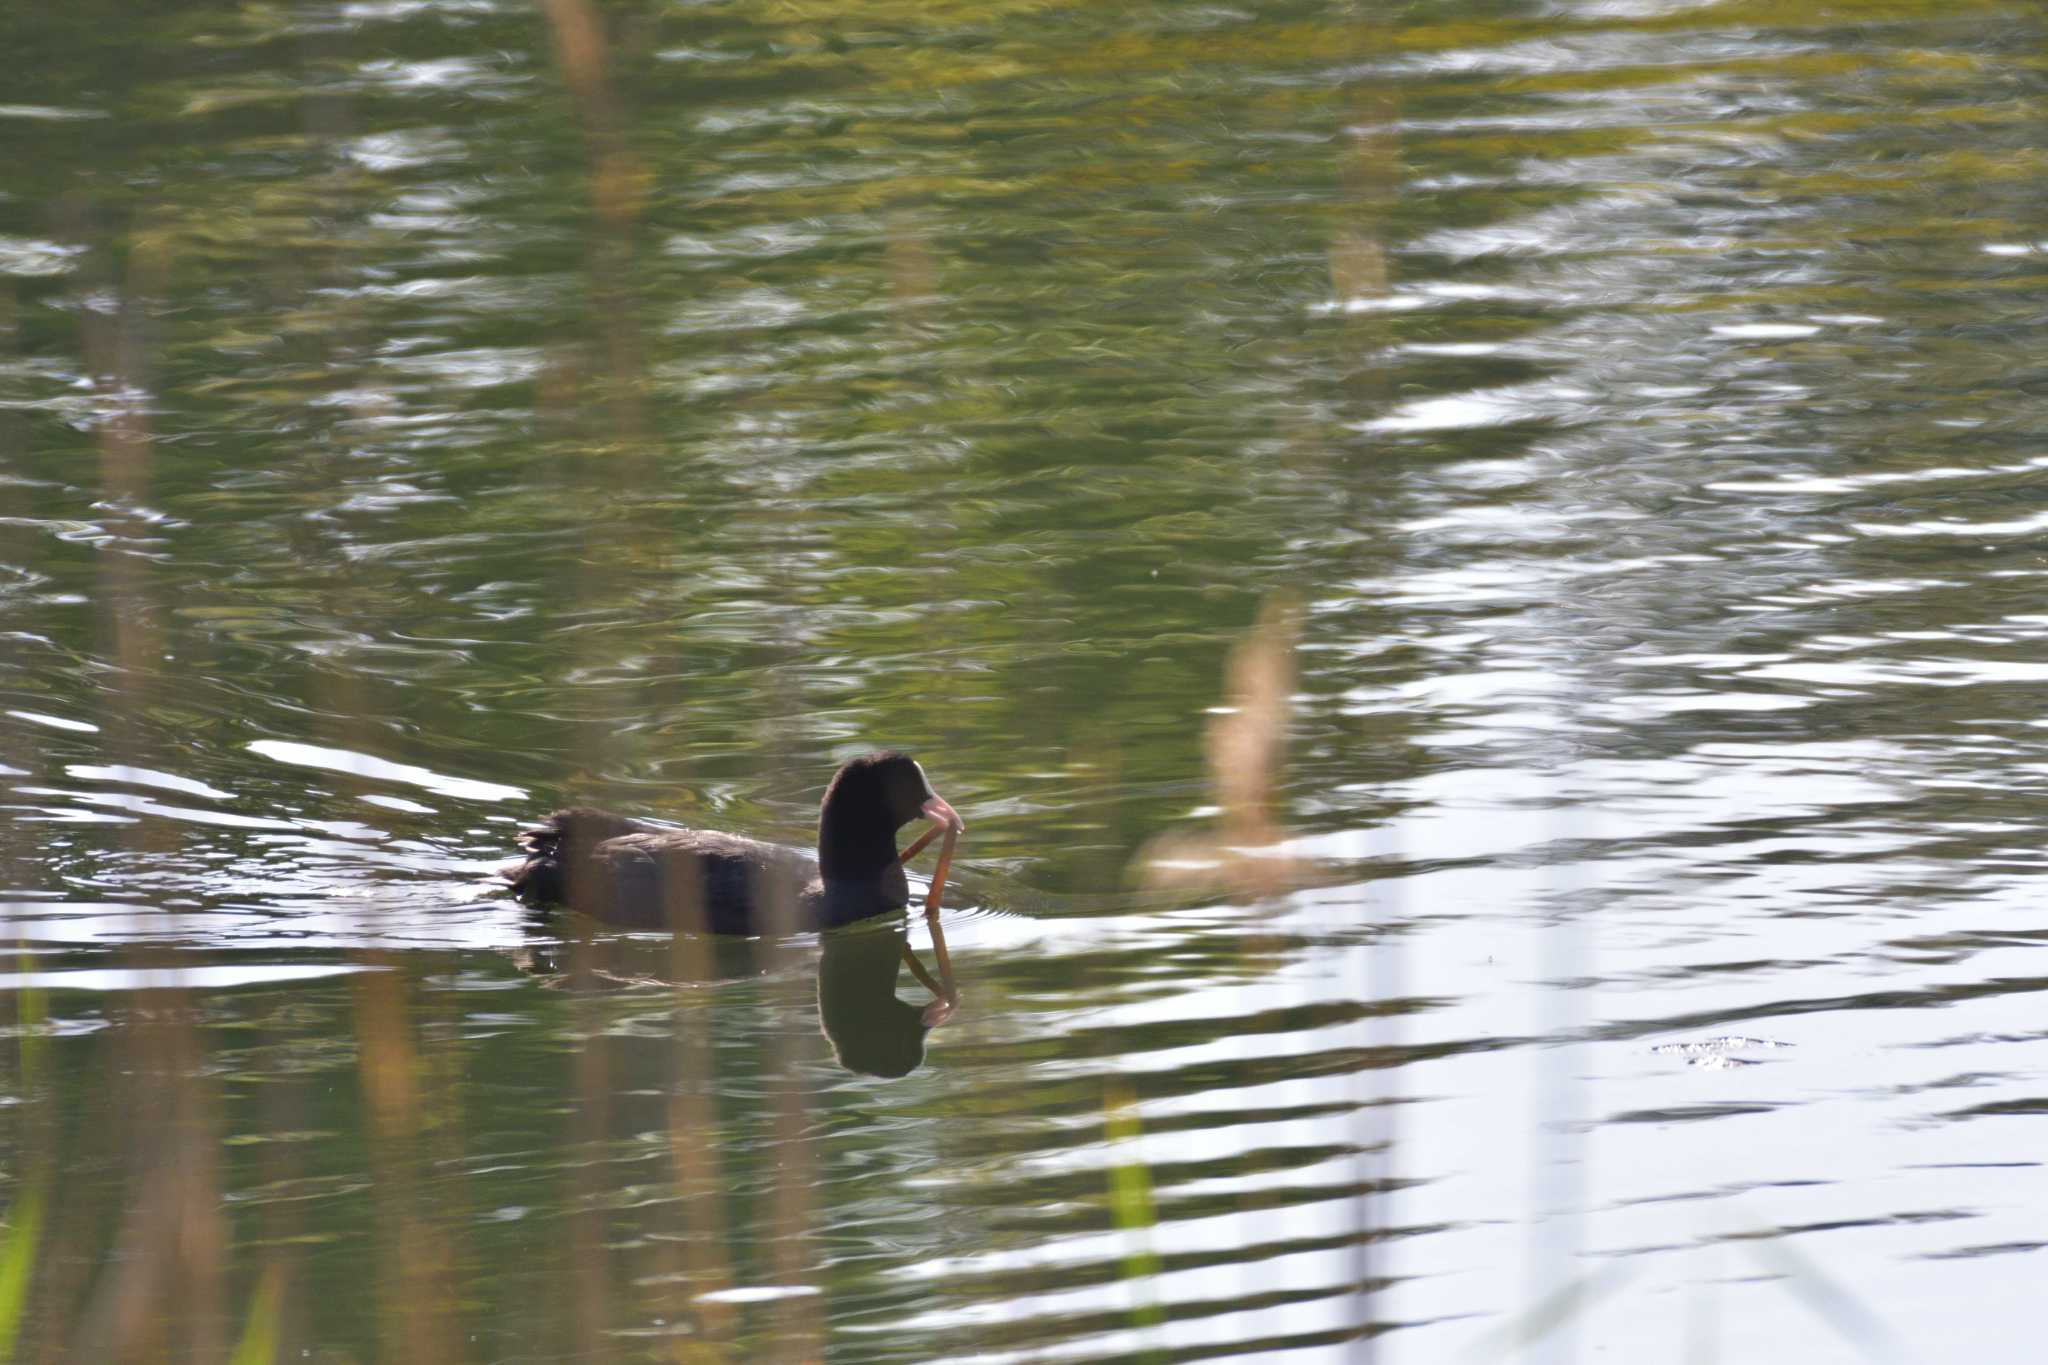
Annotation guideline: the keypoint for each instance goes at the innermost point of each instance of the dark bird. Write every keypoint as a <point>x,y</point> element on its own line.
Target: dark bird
<point>645,876</point>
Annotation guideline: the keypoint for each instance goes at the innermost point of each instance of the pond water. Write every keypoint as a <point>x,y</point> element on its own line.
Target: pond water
<point>416,416</point>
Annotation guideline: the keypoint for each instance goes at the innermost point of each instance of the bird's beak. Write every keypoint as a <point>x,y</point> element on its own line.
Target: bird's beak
<point>939,813</point>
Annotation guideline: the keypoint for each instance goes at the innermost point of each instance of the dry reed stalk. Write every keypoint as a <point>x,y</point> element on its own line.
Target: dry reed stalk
<point>1245,750</point>
<point>416,1277</point>
<point>160,1294</point>
<point>699,1169</point>
<point>618,182</point>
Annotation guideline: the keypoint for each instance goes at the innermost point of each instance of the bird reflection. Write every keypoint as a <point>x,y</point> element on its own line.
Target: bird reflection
<point>873,1031</point>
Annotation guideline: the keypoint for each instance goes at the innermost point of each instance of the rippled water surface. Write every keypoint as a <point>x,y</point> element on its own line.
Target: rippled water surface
<point>417,416</point>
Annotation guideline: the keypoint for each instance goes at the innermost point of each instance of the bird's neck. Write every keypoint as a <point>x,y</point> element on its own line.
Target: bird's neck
<point>853,847</point>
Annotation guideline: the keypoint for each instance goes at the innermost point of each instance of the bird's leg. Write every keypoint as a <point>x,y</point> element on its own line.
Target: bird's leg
<point>919,846</point>
<point>948,993</point>
<point>931,915</point>
<point>945,996</point>
<point>917,969</point>
<point>931,897</point>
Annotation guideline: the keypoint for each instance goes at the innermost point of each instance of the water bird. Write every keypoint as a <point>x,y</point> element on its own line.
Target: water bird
<point>638,875</point>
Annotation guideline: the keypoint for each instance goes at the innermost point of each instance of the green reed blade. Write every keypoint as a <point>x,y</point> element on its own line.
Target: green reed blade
<point>258,1344</point>
<point>23,1230</point>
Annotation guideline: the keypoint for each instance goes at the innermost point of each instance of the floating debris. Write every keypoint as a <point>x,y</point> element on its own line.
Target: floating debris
<point>1717,1054</point>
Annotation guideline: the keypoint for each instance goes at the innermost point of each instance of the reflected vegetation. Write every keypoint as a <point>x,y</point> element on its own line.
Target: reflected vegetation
<point>1617,869</point>
<point>1246,752</point>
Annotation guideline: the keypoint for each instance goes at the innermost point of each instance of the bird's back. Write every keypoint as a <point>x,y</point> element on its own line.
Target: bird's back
<point>644,876</point>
